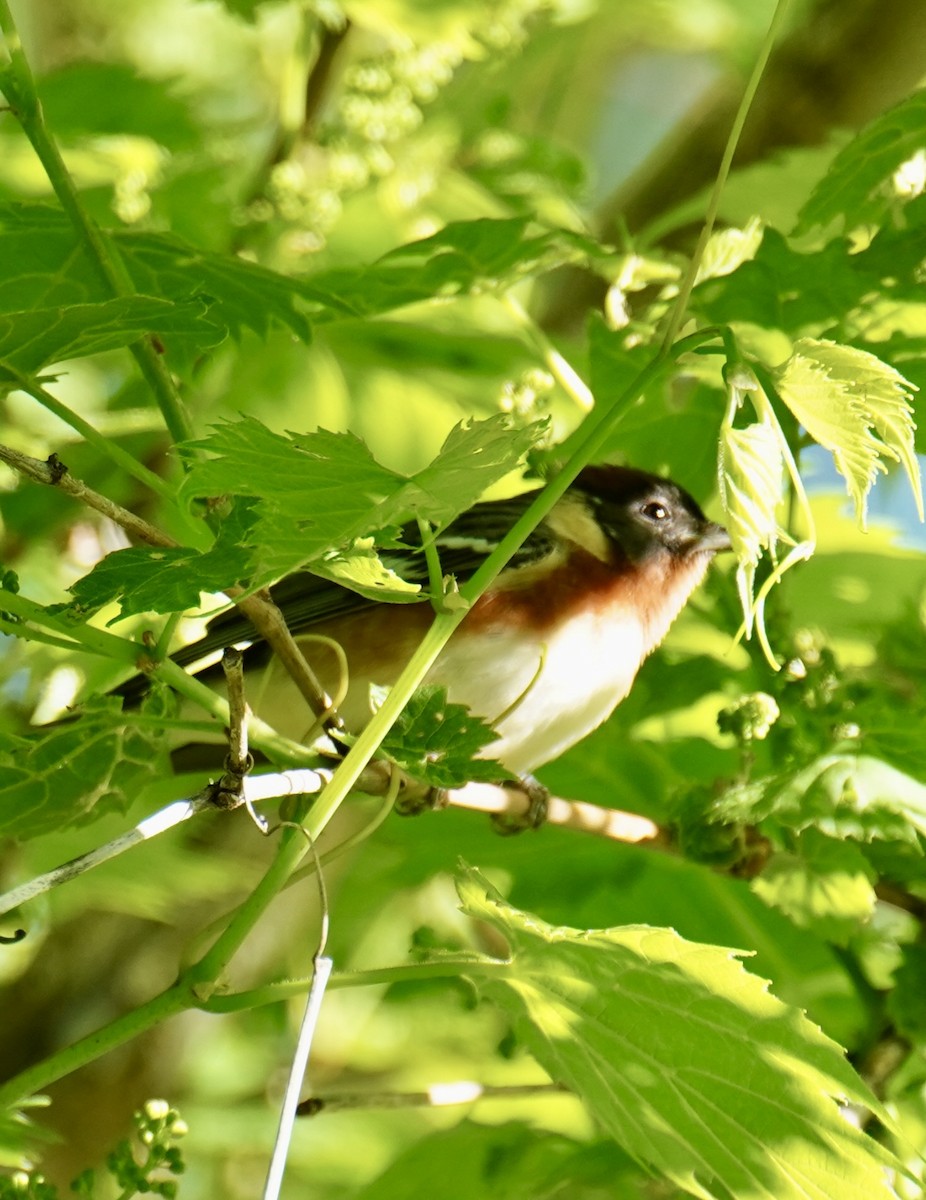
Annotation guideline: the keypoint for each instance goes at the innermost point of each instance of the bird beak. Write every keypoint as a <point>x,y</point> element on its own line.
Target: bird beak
<point>714,537</point>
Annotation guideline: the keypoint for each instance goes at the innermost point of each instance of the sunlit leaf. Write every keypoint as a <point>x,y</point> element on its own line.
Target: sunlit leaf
<point>360,568</point>
<point>826,885</point>
<point>751,488</point>
<point>856,406</point>
<point>474,455</point>
<point>843,795</point>
<point>854,187</point>
<point>728,249</point>
<point>319,491</point>
<point>688,1060</point>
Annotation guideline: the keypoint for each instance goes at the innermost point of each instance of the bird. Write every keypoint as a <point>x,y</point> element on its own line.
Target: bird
<point>544,656</point>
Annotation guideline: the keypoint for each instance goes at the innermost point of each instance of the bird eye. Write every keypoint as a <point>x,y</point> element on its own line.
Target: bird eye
<point>655,511</point>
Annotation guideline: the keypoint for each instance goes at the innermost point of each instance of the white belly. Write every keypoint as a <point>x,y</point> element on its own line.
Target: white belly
<point>553,693</point>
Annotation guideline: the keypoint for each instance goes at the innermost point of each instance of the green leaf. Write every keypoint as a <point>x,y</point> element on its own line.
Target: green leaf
<point>45,265</point>
<point>246,9</point>
<point>314,491</point>
<point>784,289</point>
<point>843,795</point>
<point>167,579</point>
<point>685,1058</point>
<point>801,292</point>
<point>111,98</point>
<point>361,569</point>
<point>475,454</point>
<point>825,886</point>
<point>320,491</point>
<point>464,256</point>
<point>856,406</point>
<point>690,455</point>
<point>905,1001</point>
<point>751,489</point>
<point>244,295</point>
<point>728,249</point>
<point>33,339</point>
<point>437,742</point>
<point>854,186</point>
<point>93,765</point>
<point>506,1162</point>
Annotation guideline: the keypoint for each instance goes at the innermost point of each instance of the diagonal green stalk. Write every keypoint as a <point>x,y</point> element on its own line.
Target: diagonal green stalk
<point>202,977</point>
<point>18,85</point>
<point>35,1079</point>
<point>451,967</point>
<point>677,314</point>
<point>80,636</point>
<point>105,445</point>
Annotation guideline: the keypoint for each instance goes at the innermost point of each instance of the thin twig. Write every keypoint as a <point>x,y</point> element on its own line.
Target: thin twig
<point>20,90</point>
<point>438,1095</point>
<point>239,760</point>
<point>377,780</point>
<point>228,792</point>
<point>270,623</point>
<point>159,822</point>
<point>54,473</point>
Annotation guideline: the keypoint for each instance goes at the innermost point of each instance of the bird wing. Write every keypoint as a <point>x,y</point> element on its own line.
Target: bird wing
<point>306,599</point>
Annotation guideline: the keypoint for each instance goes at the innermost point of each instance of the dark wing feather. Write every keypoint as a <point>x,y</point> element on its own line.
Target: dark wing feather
<point>306,599</point>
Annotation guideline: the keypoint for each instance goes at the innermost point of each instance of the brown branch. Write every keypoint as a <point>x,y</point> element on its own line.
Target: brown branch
<point>53,473</point>
<point>316,87</point>
<point>514,803</point>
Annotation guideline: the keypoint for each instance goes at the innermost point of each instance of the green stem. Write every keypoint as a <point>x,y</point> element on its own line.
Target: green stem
<point>18,85</point>
<point>202,976</point>
<point>263,737</point>
<point>111,449</point>
<point>676,316</point>
<point>91,640</point>
<point>286,989</point>
<point>36,1079</point>
<point>29,634</point>
<point>82,637</point>
<point>432,558</point>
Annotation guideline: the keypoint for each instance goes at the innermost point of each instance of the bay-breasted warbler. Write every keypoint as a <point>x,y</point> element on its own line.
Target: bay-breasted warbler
<point>545,655</point>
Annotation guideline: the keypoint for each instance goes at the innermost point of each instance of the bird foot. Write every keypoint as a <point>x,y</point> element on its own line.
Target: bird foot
<point>538,801</point>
